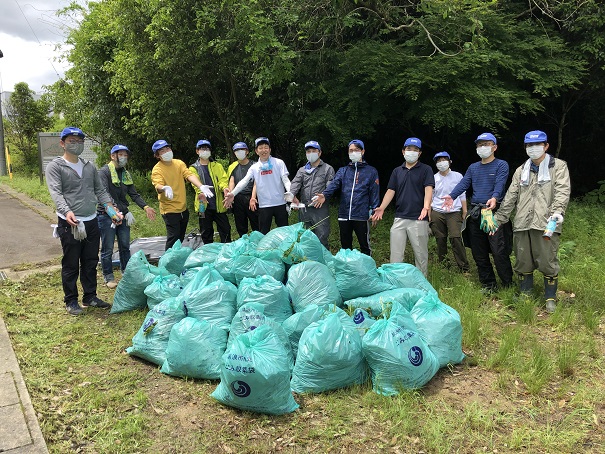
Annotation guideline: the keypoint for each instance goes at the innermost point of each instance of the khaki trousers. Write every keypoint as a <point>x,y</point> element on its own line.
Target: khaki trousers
<point>418,234</point>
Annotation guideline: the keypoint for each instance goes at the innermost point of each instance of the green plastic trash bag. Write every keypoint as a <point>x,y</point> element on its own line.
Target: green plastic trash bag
<point>255,376</point>
<point>196,278</point>
<point>291,244</point>
<point>225,261</point>
<point>363,321</point>
<point>379,304</point>
<point>269,293</point>
<point>404,275</point>
<point>174,258</point>
<point>250,266</point>
<point>206,253</point>
<point>215,303</point>
<point>356,274</point>
<point>439,325</point>
<point>161,288</point>
<point>329,357</point>
<point>312,282</point>
<point>130,292</point>
<point>398,358</point>
<point>152,338</point>
<point>249,317</point>
<point>195,349</point>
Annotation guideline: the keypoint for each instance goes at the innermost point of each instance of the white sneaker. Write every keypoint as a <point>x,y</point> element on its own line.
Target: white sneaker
<point>111,284</point>
<point>550,306</point>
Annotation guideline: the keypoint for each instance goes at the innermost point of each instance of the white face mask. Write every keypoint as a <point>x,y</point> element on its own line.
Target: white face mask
<point>443,166</point>
<point>205,154</point>
<point>167,157</point>
<point>122,161</point>
<point>312,157</point>
<point>355,156</point>
<point>411,156</point>
<point>240,154</point>
<point>535,151</point>
<point>484,151</point>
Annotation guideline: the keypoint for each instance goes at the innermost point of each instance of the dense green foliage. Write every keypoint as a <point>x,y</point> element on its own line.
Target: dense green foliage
<point>335,69</point>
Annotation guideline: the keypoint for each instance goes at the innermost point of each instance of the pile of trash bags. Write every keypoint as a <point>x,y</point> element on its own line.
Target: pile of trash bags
<point>276,314</point>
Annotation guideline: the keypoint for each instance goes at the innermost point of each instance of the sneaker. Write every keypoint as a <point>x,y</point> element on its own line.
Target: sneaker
<point>550,306</point>
<point>111,284</point>
<point>73,308</point>
<point>96,302</point>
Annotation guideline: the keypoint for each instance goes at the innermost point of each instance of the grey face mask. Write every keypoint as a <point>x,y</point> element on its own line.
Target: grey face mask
<point>122,161</point>
<point>74,148</point>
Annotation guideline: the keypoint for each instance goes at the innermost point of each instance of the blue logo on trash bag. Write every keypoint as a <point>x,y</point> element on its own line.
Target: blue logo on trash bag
<point>358,318</point>
<point>240,388</point>
<point>415,356</point>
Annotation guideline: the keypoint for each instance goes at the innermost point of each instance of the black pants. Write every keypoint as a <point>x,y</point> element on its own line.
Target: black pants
<point>499,246</point>
<point>242,214</point>
<point>79,258</point>
<point>361,229</point>
<point>266,215</point>
<point>222,225</point>
<point>176,227</point>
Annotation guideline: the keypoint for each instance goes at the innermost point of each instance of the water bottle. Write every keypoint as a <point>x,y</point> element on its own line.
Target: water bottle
<point>201,212</point>
<point>550,229</point>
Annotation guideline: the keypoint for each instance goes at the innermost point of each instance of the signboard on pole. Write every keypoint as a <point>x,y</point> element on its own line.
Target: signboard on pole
<point>49,149</point>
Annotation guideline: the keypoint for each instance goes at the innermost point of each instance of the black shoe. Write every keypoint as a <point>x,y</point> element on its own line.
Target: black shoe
<point>73,308</point>
<point>96,302</point>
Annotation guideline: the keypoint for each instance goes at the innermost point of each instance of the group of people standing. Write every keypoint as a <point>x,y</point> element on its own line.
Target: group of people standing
<point>92,206</point>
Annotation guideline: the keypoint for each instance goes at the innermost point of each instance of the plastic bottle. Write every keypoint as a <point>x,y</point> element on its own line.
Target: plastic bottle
<point>202,210</point>
<point>550,229</point>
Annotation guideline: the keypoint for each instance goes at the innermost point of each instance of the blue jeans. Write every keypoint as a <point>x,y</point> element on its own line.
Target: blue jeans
<point>108,236</point>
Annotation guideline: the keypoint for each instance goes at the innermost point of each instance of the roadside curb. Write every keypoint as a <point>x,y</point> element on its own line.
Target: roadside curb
<point>39,207</point>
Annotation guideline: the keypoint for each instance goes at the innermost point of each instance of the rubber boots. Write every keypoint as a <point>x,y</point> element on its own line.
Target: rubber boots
<point>550,292</point>
<point>526,283</point>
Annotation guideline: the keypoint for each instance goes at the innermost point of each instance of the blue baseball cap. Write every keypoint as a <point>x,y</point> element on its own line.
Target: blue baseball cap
<point>118,147</point>
<point>312,144</point>
<point>413,141</point>
<point>486,136</point>
<point>201,143</point>
<point>442,154</point>
<point>159,144</point>
<point>358,143</point>
<point>240,146</point>
<point>72,131</point>
<point>260,140</point>
<point>535,137</point>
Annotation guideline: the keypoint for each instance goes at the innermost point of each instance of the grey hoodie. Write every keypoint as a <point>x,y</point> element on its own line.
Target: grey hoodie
<point>72,193</point>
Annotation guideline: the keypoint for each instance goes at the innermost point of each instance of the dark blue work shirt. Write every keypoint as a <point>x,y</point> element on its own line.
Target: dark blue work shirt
<point>409,185</point>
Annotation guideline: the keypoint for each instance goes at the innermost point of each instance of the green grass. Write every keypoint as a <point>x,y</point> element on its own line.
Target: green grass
<point>531,382</point>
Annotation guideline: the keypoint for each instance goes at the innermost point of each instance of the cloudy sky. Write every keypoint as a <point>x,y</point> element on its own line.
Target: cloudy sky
<point>30,32</point>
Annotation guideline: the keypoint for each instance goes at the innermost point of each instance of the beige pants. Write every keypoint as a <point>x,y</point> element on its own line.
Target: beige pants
<point>532,252</point>
<point>418,234</point>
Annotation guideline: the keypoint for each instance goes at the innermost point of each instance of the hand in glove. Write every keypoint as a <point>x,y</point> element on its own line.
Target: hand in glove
<point>168,192</point>
<point>488,223</point>
<point>557,217</point>
<point>288,196</point>
<point>129,219</point>
<point>205,189</point>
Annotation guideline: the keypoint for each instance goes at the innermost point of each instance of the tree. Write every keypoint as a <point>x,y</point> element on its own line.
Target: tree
<point>25,117</point>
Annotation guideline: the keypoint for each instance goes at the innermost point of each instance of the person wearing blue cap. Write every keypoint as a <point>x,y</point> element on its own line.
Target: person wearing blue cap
<point>168,178</point>
<point>311,179</point>
<point>488,180</point>
<point>539,195</point>
<point>212,174</point>
<point>445,223</point>
<point>359,189</point>
<point>271,178</point>
<point>245,203</point>
<point>119,183</point>
<point>411,185</point>
<point>75,188</point>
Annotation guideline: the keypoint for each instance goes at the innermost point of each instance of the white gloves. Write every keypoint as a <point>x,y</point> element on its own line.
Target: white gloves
<point>288,197</point>
<point>168,192</point>
<point>206,191</point>
<point>79,231</point>
<point>557,217</point>
<point>129,219</point>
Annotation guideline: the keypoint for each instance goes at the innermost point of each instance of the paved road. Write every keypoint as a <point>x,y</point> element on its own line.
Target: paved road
<point>25,235</point>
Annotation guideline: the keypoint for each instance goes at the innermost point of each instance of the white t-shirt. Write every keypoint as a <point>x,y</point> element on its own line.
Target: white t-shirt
<point>268,178</point>
<point>444,185</point>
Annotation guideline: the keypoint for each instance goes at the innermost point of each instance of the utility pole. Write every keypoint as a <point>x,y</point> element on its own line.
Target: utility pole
<point>2,150</point>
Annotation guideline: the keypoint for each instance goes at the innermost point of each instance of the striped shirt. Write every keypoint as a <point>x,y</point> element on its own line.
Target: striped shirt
<point>487,180</point>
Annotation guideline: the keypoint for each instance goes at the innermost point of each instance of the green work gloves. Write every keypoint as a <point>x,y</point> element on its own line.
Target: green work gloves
<point>488,223</point>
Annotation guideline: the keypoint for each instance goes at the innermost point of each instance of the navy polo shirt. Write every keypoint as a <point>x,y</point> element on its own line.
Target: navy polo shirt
<point>409,185</point>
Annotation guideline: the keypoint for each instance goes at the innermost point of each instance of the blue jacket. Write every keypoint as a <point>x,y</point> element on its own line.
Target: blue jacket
<point>359,191</point>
